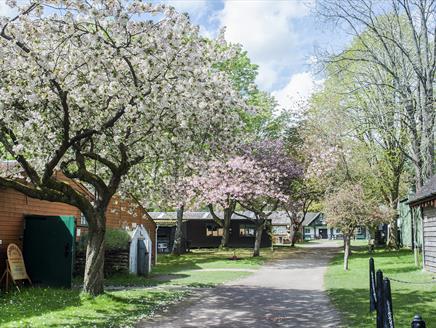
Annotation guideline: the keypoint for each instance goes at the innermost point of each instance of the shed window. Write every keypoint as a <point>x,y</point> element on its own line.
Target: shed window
<point>83,221</point>
<point>213,231</point>
<point>359,230</point>
<point>247,230</point>
<point>306,230</point>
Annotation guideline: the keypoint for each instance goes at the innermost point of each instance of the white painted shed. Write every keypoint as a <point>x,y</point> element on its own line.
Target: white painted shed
<point>139,238</point>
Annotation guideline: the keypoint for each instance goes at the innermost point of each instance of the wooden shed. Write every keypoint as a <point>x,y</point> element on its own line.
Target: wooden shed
<point>201,231</point>
<point>425,200</point>
<point>16,207</point>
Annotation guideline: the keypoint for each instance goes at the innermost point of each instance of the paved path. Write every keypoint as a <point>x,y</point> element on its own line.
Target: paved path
<point>284,293</point>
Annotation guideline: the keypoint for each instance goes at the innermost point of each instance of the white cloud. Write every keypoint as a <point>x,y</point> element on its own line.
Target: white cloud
<point>295,94</point>
<point>265,30</point>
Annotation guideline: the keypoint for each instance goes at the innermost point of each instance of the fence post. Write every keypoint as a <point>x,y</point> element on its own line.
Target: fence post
<point>387,300</point>
<point>417,322</point>
<point>372,286</point>
<point>380,298</point>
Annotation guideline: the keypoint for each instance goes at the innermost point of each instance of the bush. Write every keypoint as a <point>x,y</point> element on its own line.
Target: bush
<point>115,239</point>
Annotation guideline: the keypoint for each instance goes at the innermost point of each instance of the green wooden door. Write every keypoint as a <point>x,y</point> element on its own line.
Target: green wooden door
<point>48,248</point>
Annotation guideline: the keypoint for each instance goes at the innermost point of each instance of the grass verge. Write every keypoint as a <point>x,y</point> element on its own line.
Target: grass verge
<point>47,307</point>
<point>349,290</point>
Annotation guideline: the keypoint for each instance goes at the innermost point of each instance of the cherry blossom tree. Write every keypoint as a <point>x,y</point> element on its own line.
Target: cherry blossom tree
<point>258,181</point>
<point>218,185</point>
<point>304,193</point>
<point>99,90</point>
<point>348,208</point>
<point>239,179</point>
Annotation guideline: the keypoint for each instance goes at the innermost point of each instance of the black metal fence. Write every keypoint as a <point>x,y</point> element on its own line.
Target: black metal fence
<point>380,300</point>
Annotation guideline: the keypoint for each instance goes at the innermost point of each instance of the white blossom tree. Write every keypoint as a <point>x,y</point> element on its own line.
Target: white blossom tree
<point>95,88</point>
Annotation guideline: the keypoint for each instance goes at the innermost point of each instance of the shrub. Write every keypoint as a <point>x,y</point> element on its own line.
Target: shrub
<point>115,239</point>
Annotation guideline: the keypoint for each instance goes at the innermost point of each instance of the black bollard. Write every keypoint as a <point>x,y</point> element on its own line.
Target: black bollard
<point>372,288</point>
<point>388,310</point>
<point>417,322</point>
<point>380,303</point>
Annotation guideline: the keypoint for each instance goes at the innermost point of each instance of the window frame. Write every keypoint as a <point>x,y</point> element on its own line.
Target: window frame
<point>213,230</point>
<point>246,228</point>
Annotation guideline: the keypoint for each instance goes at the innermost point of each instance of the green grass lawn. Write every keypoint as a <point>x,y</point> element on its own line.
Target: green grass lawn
<point>349,290</point>
<point>46,307</point>
<point>49,307</point>
<point>201,268</point>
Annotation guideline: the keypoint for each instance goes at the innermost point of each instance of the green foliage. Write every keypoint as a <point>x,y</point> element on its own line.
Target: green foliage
<point>115,239</point>
<point>241,72</point>
<point>349,289</point>
<point>260,122</point>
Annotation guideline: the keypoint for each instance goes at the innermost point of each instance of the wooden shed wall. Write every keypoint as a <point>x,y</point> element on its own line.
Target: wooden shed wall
<point>429,225</point>
<point>15,205</point>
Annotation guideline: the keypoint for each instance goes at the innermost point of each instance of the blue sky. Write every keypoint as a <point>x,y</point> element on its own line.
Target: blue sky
<point>281,36</point>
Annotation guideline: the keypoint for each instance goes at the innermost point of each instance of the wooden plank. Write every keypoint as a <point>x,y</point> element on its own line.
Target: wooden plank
<point>430,253</point>
<point>430,263</point>
<point>429,224</point>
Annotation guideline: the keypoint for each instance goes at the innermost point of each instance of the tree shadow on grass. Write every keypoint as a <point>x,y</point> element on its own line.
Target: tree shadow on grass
<point>34,301</point>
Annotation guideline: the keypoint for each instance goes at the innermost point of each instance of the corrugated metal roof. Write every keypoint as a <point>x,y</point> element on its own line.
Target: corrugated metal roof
<point>427,191</point>
<point>310,217</point>
<point>277,217</point>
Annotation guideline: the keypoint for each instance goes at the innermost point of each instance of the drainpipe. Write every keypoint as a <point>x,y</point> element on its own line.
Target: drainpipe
<point>155,244</point>
<point>413,232</point>
<point>422,238</point>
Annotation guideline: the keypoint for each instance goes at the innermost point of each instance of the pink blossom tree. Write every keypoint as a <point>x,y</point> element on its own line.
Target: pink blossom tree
<point>258,181</point>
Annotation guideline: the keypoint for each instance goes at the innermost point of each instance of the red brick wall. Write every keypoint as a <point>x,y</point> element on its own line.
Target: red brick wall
<point>14,206</point>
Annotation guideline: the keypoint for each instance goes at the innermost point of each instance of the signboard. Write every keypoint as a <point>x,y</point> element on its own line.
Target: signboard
<point>16,263</point>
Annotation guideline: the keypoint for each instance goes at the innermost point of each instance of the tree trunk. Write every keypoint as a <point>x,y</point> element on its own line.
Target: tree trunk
<point>226,228</point>
<point>258,240</point>
<point>347,239</point>
<point>347,251</point>
<point>178,238</point>
<point>93,283</point>
<point>393,241</point>
<point>294,235</point>
<point>228,212</point>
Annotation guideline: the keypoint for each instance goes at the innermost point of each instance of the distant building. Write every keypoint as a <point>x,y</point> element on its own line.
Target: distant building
<point>315,227</point>
<point>201,231</point>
